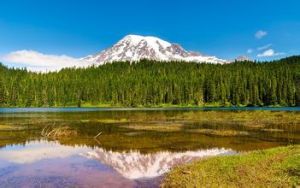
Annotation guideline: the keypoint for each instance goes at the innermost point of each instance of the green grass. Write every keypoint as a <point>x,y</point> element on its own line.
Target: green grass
<point>112,121</point>
<point>10,128</point>
<point>155,127</point>
<point>278,167</point>
<point>219,132</point>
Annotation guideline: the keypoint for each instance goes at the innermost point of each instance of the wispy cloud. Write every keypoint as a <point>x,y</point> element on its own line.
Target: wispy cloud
<point>261,34</point>
<point>249,51</point>
<point>36,61</point>
<point>270,53</point>
<point>264,47</point>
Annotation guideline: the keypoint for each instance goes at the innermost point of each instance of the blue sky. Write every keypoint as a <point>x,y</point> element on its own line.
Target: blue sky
<point>222,28</point>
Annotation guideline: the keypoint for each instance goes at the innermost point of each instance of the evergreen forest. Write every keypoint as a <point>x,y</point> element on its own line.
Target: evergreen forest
<point>149,83</point>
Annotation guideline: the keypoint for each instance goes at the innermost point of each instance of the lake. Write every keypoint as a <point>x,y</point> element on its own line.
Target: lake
<point>128,147</point>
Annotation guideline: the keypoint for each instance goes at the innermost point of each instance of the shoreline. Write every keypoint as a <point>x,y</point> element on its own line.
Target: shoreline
<point>170,108</point>
<point>141,108</point>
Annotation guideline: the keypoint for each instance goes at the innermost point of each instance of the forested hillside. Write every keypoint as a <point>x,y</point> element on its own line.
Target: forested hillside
<point>150,83</point>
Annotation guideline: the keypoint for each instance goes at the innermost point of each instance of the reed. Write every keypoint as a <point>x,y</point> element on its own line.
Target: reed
<point>58,132</point>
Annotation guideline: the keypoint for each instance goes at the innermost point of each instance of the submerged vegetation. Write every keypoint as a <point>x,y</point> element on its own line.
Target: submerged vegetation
<point>149,131</point>
<point>220,132</point>
<point>155,127</point>
<point>277,167</point>
<point>150,83</point>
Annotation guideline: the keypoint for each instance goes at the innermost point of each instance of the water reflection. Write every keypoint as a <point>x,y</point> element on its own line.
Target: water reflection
<point>135,165</point>
<point>51,164</point>
<point>134,147</point>
<point>34,151</point>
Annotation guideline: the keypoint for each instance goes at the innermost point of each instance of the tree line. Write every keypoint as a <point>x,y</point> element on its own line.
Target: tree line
<point>151,83</point>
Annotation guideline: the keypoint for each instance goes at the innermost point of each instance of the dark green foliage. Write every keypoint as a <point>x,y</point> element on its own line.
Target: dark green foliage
<point>150,83</point>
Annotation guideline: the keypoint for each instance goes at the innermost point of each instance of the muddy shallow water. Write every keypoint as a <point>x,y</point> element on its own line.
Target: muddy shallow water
<point>135,148</point>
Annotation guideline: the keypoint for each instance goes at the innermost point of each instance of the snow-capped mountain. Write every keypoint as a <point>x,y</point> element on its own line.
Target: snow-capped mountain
<point>242,58</point>
<point>135,47</point>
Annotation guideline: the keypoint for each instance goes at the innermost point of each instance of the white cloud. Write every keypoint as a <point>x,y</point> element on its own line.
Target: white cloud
<point>260,34</point>
<point>36,61</point>
<point>250,51</point>
<point>39,150</point>
<point>264,47</point>
<point>269,53</point>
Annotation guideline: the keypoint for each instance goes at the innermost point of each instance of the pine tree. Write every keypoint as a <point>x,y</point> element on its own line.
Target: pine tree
<point>2,94</point>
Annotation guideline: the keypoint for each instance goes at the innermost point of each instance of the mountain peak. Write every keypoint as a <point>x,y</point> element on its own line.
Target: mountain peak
<point>137,47</point>
<point>136,39</point>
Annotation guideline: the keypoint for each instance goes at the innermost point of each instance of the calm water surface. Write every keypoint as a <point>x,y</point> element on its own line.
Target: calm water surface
<point>57,147</point>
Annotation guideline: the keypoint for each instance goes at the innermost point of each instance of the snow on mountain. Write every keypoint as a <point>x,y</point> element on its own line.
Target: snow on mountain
<point>135,165</point>
<point>135,47</point>
<point>242,58</point>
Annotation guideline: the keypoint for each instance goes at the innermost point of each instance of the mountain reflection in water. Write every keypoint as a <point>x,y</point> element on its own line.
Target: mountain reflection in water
<point>135,148</point>
<point>135,165</point>
<point>52,164</point>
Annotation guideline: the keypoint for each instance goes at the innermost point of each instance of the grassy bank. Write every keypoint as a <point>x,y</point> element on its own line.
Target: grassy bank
<point>278,167</point>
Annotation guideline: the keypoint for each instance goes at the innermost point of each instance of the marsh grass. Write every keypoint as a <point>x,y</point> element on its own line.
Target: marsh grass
<point>247,118</point>
<point>277,167</point>
<point>112,121</point>
<point>7,127</point>
<point>272,130</point>
<point>155,127</point>
<point>11,128</point>
<point>216,132</point>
